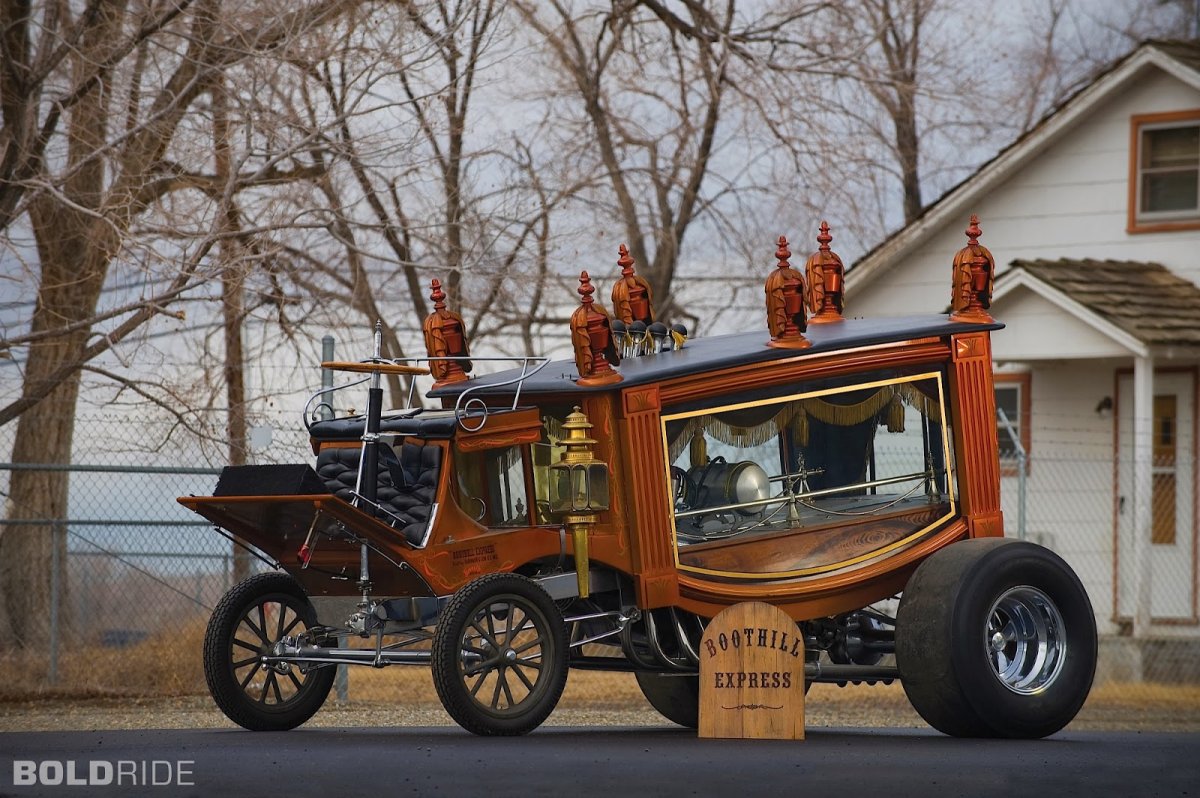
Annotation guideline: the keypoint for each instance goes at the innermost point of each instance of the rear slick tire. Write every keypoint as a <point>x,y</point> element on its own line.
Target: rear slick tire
<point>676,698</point>
<point>996,638</point>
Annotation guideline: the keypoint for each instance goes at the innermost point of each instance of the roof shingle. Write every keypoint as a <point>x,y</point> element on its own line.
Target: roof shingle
<point>1146,300</point>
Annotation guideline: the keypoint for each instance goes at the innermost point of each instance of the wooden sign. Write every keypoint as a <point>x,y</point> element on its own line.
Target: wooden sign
<point>752,675</point>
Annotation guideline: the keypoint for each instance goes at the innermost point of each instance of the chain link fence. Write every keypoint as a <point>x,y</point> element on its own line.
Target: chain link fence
<point>138,574</point>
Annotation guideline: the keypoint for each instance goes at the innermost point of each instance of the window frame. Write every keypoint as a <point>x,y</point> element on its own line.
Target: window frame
<point>941,375</point>
<point>1152,222</point>
<point>1023,382</point>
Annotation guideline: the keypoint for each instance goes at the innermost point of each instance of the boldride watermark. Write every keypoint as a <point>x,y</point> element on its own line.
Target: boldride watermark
<point>103,773</point>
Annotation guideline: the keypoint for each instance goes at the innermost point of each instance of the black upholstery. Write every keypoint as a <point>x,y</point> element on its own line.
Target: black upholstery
<point>405,486</point>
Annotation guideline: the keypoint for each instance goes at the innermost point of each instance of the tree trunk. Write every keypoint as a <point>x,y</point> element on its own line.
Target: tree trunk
<point>232,310</point>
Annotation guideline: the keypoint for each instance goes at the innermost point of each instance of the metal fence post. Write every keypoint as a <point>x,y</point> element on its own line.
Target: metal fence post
<point>56,531</point>
<point>1022,463</point>
<point>341,682</point>
<point>325,411</point>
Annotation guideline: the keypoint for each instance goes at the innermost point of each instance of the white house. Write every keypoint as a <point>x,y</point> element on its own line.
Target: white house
<point>1094,220</point>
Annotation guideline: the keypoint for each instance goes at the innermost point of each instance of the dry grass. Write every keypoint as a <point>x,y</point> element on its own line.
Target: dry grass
<point>113,687</point>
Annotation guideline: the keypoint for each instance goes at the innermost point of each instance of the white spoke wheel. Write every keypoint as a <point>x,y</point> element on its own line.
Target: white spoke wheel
<point>500,655</point>
<point>247,623</point>
<point>996,638</point>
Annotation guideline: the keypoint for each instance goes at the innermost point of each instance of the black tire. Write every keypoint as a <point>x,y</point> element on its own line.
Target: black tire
<point>247,622</point>
<point>676,698</point>
<point>495,679</point>
<point>966,668</point>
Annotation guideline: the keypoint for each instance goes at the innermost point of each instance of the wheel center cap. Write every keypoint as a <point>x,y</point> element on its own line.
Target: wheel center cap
<point>510,655</point>
<point>997,642</point>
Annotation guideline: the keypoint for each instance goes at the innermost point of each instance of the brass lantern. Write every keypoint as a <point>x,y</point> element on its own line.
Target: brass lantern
<point>579,489</point>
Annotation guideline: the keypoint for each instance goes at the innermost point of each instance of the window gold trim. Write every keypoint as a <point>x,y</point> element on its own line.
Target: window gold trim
<point>822,569</point>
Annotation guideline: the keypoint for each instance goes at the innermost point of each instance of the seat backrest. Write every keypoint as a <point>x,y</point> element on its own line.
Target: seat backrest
<point>405,495</point>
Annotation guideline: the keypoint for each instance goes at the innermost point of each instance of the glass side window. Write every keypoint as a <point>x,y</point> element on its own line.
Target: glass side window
<point>492,488</point>
<point>1169,168</point>
<point>813,460</point>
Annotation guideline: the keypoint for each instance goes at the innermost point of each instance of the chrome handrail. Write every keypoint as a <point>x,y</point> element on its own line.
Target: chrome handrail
<point>811,494</point>
<point>464,407</point>
<point>307,423</point>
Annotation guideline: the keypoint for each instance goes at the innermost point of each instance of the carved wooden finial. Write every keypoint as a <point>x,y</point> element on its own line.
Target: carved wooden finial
<point>783,253</point>
<point>445,337</point>
<point>437,295</point>
<point>632,297</point>
<point>785,302</point>
<point>586,289</point>
<point>625,261</point>
<point>973,231</point>
<point>592,338</point>
<point>974,273</point>
<point>825,276</point>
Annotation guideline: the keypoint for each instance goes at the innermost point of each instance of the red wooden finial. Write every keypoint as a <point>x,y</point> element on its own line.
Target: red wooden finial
<point>824,277</point>
<point>785,302</point>
<point>625,261</point>
<point>973,278</point>
<point>973,232</point>
<point>592,338</point>
<point>445,340</point>
<point>586,289</point>
<point>824,238</point>
<point>437,295</point>
<point>783,253</point>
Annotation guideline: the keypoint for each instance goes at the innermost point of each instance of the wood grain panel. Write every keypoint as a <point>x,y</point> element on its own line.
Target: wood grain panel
<point>807,549</point>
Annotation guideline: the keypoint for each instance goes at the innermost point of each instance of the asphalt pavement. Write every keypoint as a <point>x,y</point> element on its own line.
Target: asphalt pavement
<point>609,762</point>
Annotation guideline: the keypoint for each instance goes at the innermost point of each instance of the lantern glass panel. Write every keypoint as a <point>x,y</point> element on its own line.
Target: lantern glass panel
<point>598,481</point>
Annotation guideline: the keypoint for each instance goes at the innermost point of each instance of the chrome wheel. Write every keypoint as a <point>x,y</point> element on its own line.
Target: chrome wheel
<point>1025,639</point>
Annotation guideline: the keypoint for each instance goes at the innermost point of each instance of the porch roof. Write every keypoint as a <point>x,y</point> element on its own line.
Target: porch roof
<point>1146,301</point>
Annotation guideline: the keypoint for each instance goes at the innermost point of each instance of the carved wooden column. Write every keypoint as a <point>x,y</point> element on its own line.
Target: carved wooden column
<point>975,444</point>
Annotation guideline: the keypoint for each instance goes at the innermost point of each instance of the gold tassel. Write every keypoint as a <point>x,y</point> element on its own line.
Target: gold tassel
<point>800,427</point>
<point>698,451</point>
<point>895,415</point>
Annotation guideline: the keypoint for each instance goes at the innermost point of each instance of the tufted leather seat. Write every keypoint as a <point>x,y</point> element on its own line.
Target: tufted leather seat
<point>405,486</point>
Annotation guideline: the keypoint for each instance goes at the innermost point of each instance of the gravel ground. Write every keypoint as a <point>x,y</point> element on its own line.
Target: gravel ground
<point>1163,709</point>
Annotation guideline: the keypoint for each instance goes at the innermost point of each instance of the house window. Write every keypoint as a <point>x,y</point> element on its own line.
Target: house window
<point>1165,172</point>
<point>1013,397</point>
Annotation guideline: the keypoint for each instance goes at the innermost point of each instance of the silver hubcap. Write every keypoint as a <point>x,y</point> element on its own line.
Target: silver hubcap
<point>1025,640</point>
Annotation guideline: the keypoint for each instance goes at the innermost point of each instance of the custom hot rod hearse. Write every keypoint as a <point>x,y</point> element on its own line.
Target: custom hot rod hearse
<point>598,512</point>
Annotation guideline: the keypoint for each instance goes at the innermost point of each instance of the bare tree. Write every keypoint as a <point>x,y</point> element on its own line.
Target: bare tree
<point>658,101</point>
<point>99,133</point>
<point>1064,44</point>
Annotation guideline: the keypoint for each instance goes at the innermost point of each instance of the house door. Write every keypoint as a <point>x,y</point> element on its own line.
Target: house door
<point>1173,485</point>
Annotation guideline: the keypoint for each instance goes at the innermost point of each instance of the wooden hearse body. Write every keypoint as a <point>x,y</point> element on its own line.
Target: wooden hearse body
<point>597,512</point>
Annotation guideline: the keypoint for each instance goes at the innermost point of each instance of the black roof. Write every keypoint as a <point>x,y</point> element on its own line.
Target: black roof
<point>700,355</point>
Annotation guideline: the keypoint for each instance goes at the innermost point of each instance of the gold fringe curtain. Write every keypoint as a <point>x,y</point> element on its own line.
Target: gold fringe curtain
<point>795,415</point>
